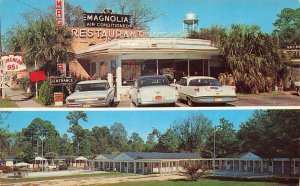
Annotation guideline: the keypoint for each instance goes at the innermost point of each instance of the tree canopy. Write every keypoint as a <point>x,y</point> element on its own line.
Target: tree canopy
<point>251,56</point>
<point>142,11</point>
<point>267,133</point>
<point>287,26</point>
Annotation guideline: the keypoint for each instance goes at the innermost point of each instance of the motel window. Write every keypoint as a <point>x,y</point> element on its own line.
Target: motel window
<point>296,164</point>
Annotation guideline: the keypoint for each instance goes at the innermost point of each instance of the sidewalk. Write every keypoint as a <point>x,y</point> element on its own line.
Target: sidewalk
<point>20,100</point>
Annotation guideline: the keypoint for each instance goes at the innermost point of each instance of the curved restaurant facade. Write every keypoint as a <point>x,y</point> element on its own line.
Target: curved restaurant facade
<point>122,54</point>
<point>127,59</point>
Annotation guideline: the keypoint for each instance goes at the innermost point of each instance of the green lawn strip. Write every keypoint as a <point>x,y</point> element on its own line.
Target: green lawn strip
<point>105,175</point>
<point>7,103</point>
<point>204,182</point>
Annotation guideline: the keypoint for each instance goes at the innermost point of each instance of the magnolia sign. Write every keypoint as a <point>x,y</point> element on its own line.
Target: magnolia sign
<point>13,63</point>
<point>107,20</point>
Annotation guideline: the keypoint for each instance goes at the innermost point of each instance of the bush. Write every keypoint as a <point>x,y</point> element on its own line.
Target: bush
<point>5,169</point>
<point>194,172</point>
<point>46,93</point>
<point>63,167</point>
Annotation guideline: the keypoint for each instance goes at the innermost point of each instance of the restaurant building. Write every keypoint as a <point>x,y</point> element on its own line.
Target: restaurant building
<point>108,48</point>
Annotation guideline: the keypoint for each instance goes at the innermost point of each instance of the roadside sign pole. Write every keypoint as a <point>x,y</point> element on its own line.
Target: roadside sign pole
<point>36,83</point>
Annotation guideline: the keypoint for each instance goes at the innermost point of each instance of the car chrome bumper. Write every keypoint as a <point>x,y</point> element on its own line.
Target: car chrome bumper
<point>213,99</point>
<point>86,104</point>
<point>141,102</point>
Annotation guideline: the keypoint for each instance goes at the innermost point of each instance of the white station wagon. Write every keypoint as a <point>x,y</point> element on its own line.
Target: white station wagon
<point>91,93</point>
<point>149,90</point>
<point>203,89</point>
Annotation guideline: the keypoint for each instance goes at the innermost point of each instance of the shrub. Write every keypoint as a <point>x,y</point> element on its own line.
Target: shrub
<point>194,172</point>
<point>63,167</point>
<point>46,93</point>
<point>5,169</point>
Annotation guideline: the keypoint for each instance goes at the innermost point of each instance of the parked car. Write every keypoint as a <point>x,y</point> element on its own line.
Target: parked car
<point>91,93</point>
<point>150,90</point>
<point>203,89</point>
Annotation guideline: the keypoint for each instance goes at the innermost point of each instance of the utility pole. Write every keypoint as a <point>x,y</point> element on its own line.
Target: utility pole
<point>214,158</point>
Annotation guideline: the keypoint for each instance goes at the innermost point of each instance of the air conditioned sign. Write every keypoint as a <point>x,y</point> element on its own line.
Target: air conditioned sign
<point>107,20</point>
<point>13,63</point>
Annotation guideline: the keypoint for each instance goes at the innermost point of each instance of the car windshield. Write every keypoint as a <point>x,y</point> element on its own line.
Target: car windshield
<point>91,87</point>
<point>153,82</point>
<point>204,82</point>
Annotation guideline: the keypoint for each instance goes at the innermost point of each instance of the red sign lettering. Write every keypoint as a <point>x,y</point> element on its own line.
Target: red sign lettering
<point>58,3</point>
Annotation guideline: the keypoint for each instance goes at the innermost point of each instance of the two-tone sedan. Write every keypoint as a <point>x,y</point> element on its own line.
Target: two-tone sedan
<point>203,89</point>
<point>152,90</point>
<point>92,93</point>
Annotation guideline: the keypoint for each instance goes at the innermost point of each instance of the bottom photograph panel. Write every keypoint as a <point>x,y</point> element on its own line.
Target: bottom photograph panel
<point>153,147</point>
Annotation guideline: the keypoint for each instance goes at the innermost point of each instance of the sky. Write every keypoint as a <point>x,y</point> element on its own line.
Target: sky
<point>209,12</point>
<point>140,121</point>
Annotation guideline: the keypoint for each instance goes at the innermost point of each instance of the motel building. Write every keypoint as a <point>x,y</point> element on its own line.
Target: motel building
<point>170,163</point>
<point>122,55</point>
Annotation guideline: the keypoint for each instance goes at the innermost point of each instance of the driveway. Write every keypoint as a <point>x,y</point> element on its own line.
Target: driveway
<point>21,100</point>
<point>283,99</point>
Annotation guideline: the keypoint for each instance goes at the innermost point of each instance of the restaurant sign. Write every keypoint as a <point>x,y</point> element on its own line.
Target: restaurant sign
<point>107,20</point>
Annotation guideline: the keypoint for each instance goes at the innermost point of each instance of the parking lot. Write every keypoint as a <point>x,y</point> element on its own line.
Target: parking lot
<point>283,99</point>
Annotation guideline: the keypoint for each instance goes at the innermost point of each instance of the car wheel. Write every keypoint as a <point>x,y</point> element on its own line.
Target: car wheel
<point>298,91</point>
<point>112,103</point>
<point>190,102</point>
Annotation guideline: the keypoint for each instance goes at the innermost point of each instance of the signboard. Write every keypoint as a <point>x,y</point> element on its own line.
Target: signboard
<point>5,80</point>
<point>62,68</point>
<point>107,20</point>
<point>37,76</point>
<point>293,51</point>
<point>13,63</point>
<point>61,80</point>
<point>59,12</point>
<point>58,98</point>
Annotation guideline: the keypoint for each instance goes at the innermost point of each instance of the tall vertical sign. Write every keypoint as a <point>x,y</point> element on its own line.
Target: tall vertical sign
<point>60,12</point>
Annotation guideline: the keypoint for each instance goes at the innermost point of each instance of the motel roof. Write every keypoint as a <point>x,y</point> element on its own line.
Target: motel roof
<point>244,156</point>
<point>106,156</point>
<point>157,155</point>
<point>149,45</point>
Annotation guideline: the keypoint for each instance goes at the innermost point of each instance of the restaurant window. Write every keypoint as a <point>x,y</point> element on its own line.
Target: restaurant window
<point>133,69</point>
<point>196,67</point>
<point>93,69</point>
<point>173,68</point>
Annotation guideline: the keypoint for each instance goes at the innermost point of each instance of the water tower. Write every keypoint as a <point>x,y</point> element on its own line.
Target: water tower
<point>190,22</point>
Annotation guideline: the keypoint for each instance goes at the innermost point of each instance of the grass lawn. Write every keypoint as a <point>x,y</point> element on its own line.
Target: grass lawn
<point>83,176</point>
<point>7,103</point>
<point>203,182</point>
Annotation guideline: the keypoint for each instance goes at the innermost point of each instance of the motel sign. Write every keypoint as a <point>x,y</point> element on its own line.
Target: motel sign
<point>59,12</point>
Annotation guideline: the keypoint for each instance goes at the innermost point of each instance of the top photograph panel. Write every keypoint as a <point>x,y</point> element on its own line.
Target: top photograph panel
<point>125,54</point>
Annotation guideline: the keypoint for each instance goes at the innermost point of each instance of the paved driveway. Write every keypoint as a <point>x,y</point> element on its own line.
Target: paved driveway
<point>284,99</point>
